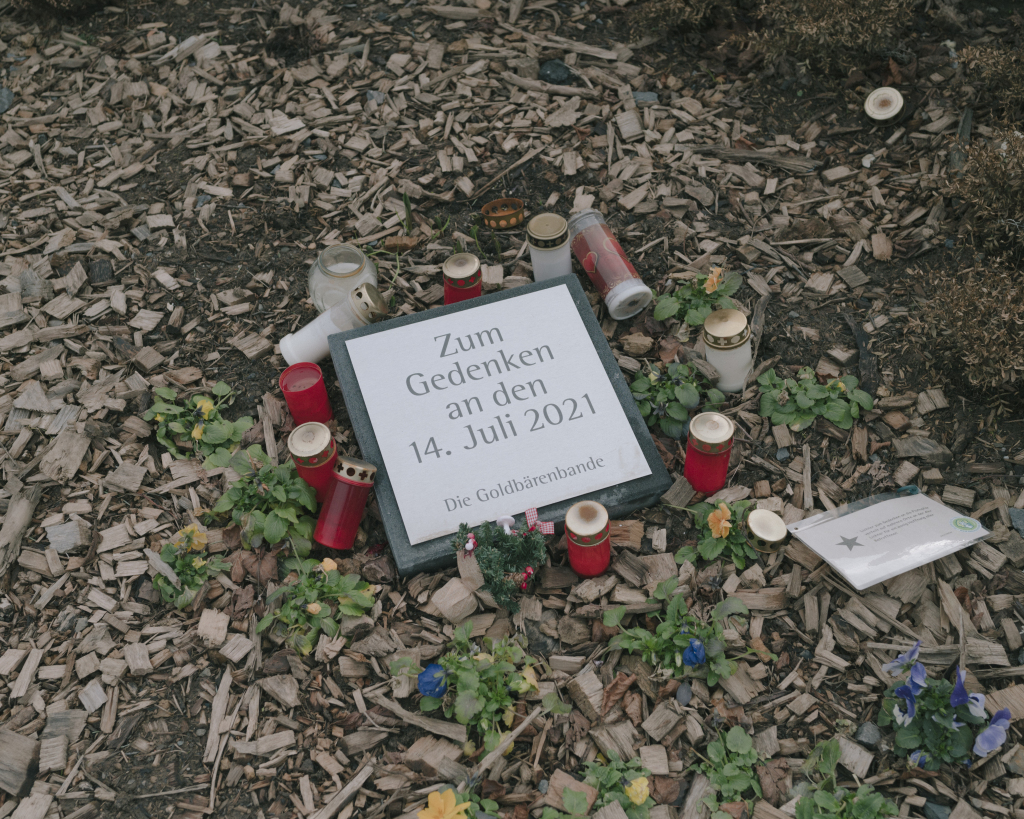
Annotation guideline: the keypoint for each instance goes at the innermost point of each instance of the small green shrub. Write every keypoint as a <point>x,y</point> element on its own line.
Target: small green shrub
<point>798,402</point>
<point>666,398</point>
<point>694,300</point>
<point>827,801</point>
<point>721,533</point>
<point>729,768</point>
<point>186,554</point>
<point>267,501</point>
<point>195,424</point>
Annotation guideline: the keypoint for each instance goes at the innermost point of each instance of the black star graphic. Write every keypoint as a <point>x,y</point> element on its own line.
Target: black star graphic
<point>849,542</point>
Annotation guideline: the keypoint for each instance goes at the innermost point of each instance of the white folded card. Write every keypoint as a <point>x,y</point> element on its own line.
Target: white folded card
<point>879,537</point>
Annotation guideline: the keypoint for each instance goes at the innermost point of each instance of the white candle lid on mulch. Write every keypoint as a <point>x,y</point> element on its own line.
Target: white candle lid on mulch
<point>883,104</point>
<point>586,518</point>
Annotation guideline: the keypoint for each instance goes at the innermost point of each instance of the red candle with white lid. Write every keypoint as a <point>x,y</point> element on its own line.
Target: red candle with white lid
<point>588,537</point>
<point>462,278</point>
<point>708,448</point>
<point>607,265</point>
<point>313,450</point>
<point>342,512</point>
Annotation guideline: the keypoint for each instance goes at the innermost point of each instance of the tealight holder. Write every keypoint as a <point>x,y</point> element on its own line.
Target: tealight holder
<point>588,537</point>
<point>305,393</point>
<point>462,278</point>
<point>337,271</point>
<point>708,449</point>
<point>766,531</point>
<point>727,348</point>
<point>548,237</point>
<point>338,524</point>
<point>313,450</point>
<point>503,213</point>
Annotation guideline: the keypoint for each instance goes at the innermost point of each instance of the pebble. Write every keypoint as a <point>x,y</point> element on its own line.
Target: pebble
<point>782,454</point>
<point>555,72</point>
<point>542,786</point>
<point>375,96</point>
<point>645,96</point>
<point>1017,519</point>
<point>868,734</point>
<point>933,810</point>
<point>6,99</point>
<point>200,732</point>
<point>684,693</point>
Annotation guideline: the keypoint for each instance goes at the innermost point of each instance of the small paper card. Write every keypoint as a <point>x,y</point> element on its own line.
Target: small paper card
<point>877,538</point>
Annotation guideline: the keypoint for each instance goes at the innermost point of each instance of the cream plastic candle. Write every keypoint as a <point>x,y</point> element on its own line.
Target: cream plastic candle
<point>548,237</point>
<point>363,306</point>
<point>727,342</point>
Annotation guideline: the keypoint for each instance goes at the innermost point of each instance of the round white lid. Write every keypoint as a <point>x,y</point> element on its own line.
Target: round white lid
<point>883,103</point>
<point>711,428</point>
<point>586,518</point>
<point>767,525</point>
<point>309,439</point>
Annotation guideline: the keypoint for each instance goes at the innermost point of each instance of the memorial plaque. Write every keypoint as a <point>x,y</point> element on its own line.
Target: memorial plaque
<point>491,407</point>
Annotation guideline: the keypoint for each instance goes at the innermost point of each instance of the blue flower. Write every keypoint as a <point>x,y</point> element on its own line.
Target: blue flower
<point>974,702</point>
<point>432,681</point>
<point>918,678</point>
<point>900,664</point>
<point>993,737</point>
<point>906,693</point>
<point>919,758</point>
<point>694,655</point>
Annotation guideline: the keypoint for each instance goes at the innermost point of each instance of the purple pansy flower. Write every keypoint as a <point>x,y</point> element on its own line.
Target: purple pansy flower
<point>902,661</point>
<point>919,758</point>
<point>993,737</point>
<point>974,702</point>
<point>918,678</point>
<point>432,681</point>
<point>903,717</point>
<point>695,654</point>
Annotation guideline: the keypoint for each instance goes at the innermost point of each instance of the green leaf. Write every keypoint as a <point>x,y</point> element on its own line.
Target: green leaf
<point>677,411</point>
<point>574,801</point>
<point>552,703</point>
<point>166,393</point>
<point>729,607</point>
<point>862,398</point>
<point>738,740</point>
<point>640,384</point>
<point>671,427</point>
<point>666,308</point>
<point>715,396</point>
<point>225,504</point>
<point>275,528</point>
<point>696,316</point>
<point>613,617</point>
<point>907,737</point>
<point>220,389</point>
<point>242,426</point>
<point>665,588</point>
<point>688,396</point>
<point>645,408</point>
<point>467,705</point>
<point>217,432</point>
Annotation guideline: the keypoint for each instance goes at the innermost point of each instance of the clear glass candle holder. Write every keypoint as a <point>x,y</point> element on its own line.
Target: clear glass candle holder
<point>548,237</point>
<point>337,271</point>
<point>727,348</point>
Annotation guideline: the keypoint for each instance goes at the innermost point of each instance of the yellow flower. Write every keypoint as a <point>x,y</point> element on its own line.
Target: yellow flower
<point>197,432</point>
<point>443,806</point>
<point>328,565</point>
<point>719,521</point>
<point>483,657</point>
<point>313,608</point>
<point>205,406</point>
<point>840,384</point>
<point>529,681</point>
<point>191,535</point>
<point>198,563</point>
<point>637,791</point>
<point>713,281</point>
<point>159,417</point>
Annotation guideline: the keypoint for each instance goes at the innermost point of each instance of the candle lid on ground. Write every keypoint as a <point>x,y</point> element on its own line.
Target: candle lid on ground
<point>460,267</point>
<point>309,440</point>
<point>368,303</point>
<point>726,328</point>
<point>767,526</point>
<point>547,230</point>
<point>586,519</point>
<point>883,104</point>
<point>353,470</point>
<point>712,431</point>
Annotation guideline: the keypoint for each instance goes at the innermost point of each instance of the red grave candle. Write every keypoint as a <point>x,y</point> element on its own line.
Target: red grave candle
<point>707,452</point>
<point>312,448</point>
<point>305,393</point>
<point>587,535</point>
<point>346,501</point>
<point>462,278</point>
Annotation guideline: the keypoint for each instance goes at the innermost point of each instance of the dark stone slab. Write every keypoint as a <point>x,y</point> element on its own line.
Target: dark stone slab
<point>436,554</point>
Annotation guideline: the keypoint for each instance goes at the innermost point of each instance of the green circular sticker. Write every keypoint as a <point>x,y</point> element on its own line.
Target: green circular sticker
<point>964,524</point>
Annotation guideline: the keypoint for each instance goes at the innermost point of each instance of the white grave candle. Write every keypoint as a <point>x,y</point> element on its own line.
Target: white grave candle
<point>727,339</point>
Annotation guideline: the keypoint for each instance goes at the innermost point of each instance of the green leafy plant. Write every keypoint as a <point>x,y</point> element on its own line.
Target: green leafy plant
<point>311,604</point>
<point>797,402</point>
<point>827,801</point>
<point>621,782</point>
<point>722,532</point>
<point>196,424</point>
<point>267,501</point>
<point>186,554</point>
<point>694,300</point>
<point>507,560</point>
<point>476,683</point>
<point>729,767</point>
<point>681,644</point>
<point>666,398</point>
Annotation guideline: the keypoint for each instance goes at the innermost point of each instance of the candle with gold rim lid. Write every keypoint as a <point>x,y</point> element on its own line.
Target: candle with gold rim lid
<point>462,279</point>
<point>313,451</point>
<point>708,448</point>
<point>588,537</point>
<point>364,305</point>
<point>766,531</point>
<point>727,343</point>
<point>548,237</point>
<point>342,512</point>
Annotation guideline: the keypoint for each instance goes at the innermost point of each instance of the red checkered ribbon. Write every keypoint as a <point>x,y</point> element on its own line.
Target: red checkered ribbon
<point>545,527</point>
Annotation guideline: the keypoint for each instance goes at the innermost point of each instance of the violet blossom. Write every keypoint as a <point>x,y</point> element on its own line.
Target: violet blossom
<point>906,693</point>
<point>902,661</point>
<point>974,702</point>
<point>993,737</point>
